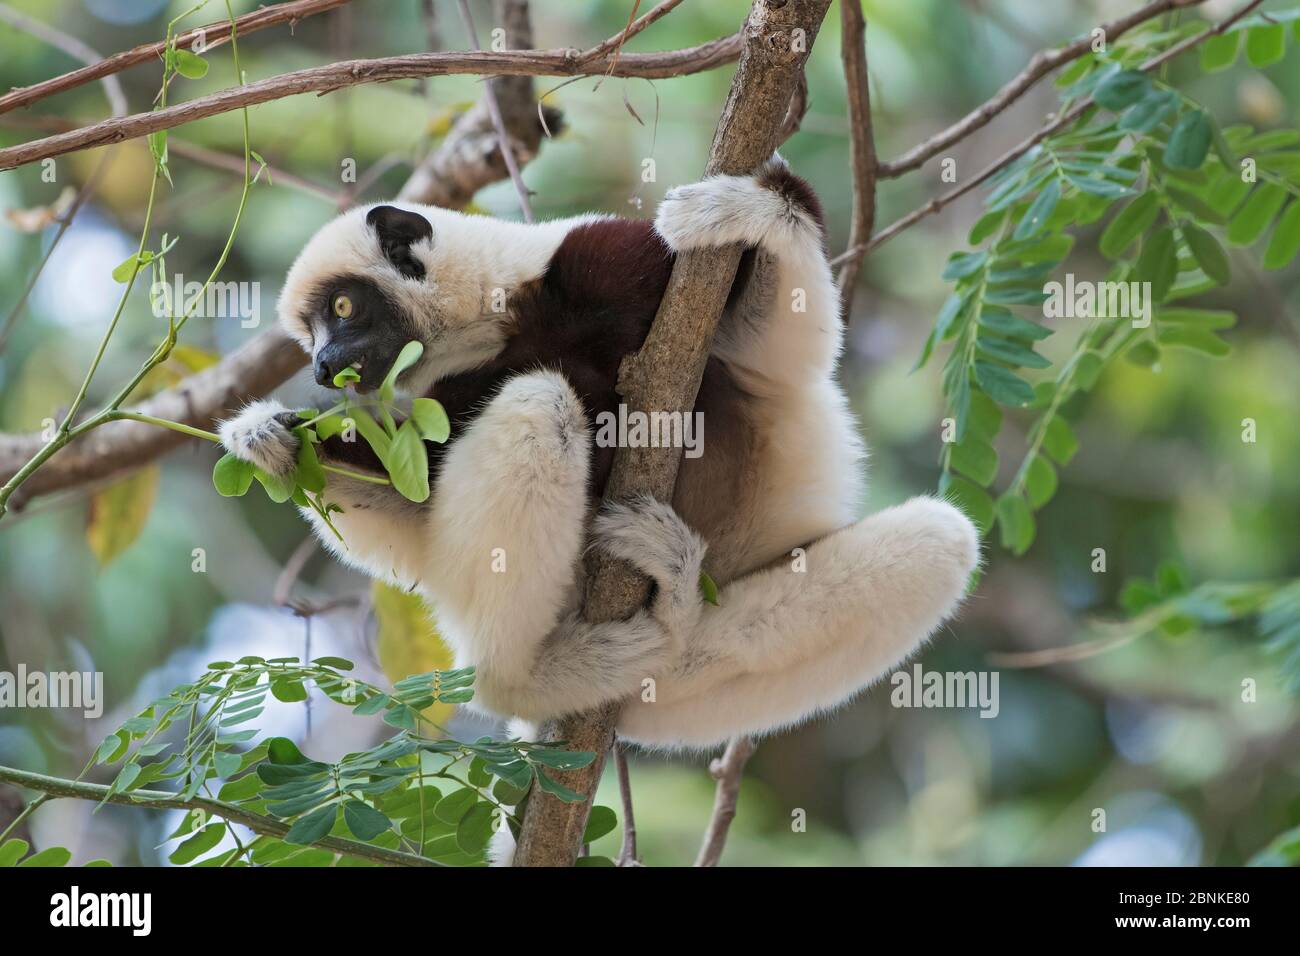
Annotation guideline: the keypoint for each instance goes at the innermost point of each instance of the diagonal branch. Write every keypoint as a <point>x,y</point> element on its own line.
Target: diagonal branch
<point>1054,126</point>
<point>335,76</point>
<point>862,148</point>
<point>161,800</point>
<point>665,376</point>
<point>727,770</point>
<point>214,34</point>
<point>1040,65</point>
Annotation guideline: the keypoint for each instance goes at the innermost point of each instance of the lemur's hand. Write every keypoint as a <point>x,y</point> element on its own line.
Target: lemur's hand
<point>261,434</point>
<point>653,538</point>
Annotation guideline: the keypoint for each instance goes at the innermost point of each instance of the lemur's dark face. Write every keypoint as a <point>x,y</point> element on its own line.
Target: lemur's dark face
<point>359,321</point>
<point>356,325</point>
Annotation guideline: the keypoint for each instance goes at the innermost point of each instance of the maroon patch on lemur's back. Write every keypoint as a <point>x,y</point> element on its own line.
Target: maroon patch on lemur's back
<point>593,305</point>
<point>796,191</point>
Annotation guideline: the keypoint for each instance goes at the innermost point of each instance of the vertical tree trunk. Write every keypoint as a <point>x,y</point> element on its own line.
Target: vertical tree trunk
<point>665,376</point>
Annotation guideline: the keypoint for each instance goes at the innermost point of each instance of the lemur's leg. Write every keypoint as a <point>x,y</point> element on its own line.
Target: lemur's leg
<point>509,527</point>
<point>783,321</point>
<point>787,643</point>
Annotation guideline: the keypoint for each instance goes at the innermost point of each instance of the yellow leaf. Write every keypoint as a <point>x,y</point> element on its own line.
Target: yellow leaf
<point>192,358</point>
<point>119,513</point>
<point>408,641</point>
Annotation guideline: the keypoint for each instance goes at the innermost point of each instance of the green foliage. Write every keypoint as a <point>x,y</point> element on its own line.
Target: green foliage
<point>399,447</point>
<point>1170,188</point>
<point>1168,605</point>
<point>407,793</point>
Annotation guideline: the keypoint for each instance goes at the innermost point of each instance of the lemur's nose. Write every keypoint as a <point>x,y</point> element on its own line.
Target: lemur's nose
<point>324,372</point>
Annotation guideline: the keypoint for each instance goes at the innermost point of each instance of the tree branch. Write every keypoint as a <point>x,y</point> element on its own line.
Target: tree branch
<point>335,76</point>
<point>727,770</point>
<point>1053,126</point>
<point>1039,66</point>
<point>862,147</point>
<point>665,376</point>
<point>627,852</point>
<point>214,34</point>
<point>161,800</point>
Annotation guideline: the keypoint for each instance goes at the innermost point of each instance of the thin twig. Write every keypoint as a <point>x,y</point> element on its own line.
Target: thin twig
<point>615,43</point>
<point>498,122</point>
<point>627,852</point>
<point>1054,126</point>
<point>158,799</point>
<point>1039,66</point>
<point>213,34</point>
<point>336,76</point>
<point>727,770</point>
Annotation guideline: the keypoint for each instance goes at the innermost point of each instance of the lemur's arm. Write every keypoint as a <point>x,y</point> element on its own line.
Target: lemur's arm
<point>498,550</point>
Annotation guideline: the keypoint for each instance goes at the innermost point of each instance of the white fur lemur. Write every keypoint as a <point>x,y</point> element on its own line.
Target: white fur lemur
<point>796,632</point>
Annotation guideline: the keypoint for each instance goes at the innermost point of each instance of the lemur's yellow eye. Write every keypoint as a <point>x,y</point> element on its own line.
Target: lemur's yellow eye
<point>342,306</point>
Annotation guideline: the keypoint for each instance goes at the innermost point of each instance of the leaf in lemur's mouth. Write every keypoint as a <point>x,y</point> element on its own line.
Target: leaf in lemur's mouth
<point>346,377</point>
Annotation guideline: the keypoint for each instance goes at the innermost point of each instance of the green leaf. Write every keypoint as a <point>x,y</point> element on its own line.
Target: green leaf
<point>708,588</point>
<point>1143,352</point>
<point>1266,45</point>
<point>1138,595</point>
<point>976,459</point>
<point>1254,217</point>
<point>190,65</point>
<point>1003,386</point>
<point>308,474</point>
<point>231,476</point>
<point>1059,441</point>
<point>1158,263</point>
<point>408,463</point>
<point>964,264</point>
<point>1284,245</point>
<point>1039,211</point>
<point>127,268</point>
<point>601,821</point>
<point>1171,579</point>
<point>558,790</point>
<point>475,828</point>
<point>249,785</point>
<point>345,377</point>
<point>1006,350</point>
<point>278,489</point>
<point>12,851</point>
<point>1200,340</point>
<point>1005,322</point>
<point>1220,52</point>
<point>431,419</point>
<point>1190,141</point>
<point>455,805</point>
<point>313,827</point>
<point>409,355</point>
<point>1203,318</point>
<point>199,844</point>
<point>1131,221</point>
<point>1016,522</point>
<point>973,500</point>
<point>54,856</point>
<point>364,821</point>
<point>1122,90</point>
<point>282,750</point>
<point>1087,369</point>
<point>1147,113</point>
<point>1040,482</point>
<point>985,418</point>
<point>113,748</point>
<point>1207,252</point>
<point>288,690</point>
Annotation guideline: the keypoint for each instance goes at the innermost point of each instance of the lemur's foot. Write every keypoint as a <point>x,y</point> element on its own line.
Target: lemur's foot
<point>653,538</point>
<point>771,206</point>
<point>261,434</point>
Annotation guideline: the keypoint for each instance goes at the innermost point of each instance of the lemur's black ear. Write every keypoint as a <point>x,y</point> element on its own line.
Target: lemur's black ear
<point>398,230</point>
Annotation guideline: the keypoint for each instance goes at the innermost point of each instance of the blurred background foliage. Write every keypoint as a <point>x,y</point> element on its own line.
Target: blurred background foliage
<point>1155,732</point>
